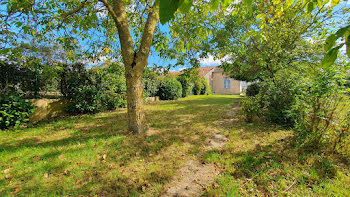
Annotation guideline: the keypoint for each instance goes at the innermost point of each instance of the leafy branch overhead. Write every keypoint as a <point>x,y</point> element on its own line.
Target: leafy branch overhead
<point>168,8</point>
<point>331,48</point>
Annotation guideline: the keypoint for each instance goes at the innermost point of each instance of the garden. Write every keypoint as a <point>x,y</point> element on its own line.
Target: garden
<point>107,98</point>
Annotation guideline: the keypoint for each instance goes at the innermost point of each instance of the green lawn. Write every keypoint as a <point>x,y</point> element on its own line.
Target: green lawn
<point>95,155</point>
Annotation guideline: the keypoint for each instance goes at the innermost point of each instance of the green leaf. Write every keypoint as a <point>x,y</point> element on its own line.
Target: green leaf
<point>225,3</point>
<point>330,41</point>
<point>249,3</point>
<point>347,42</point>
<point>335,2</point>
<point>310,6</point>
<point>185,6</point>
<point>341,31</point>
<point>214,4</point>
<point>167,8</point>
<point>331,56</point>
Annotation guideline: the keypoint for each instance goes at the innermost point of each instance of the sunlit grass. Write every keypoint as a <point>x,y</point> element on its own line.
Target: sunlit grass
<point>95,155</point>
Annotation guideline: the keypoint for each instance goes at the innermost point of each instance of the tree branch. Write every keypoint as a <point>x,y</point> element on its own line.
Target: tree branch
<point>117,11</point>
<point>147,36</point>
<point>81,6</point>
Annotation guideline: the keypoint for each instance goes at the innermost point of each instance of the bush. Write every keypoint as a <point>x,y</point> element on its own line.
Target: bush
<point>314,102</point>
<point>86,100</point>
<point>253,89</point>
<point>321,110</point>
<point>72,77</point>
<point>187,85</point>
<point>170,89</point>
<point>252,107</point>
<point>95,90</point>
<point>206,88</point>
<point>201,87</point>
<point>198,86</point>
<point>14,110</point>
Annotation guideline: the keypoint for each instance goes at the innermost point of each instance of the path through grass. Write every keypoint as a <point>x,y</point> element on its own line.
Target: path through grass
<point>95,155</point>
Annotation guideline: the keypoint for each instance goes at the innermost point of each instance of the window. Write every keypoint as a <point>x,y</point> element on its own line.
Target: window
<point>227,83</point>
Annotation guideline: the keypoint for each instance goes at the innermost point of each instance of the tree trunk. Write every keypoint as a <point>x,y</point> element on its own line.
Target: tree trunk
<point>136,117</point>
<point>134,61</point>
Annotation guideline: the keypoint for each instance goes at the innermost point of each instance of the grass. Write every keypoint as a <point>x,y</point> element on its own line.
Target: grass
<point>95,155</point>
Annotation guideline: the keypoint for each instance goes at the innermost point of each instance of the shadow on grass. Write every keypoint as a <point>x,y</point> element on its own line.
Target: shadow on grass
<point>176,122</point>
<point>271,160</point>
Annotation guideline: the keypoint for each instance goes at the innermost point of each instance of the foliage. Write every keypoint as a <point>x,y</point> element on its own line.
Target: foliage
<point>94,90</point>
<point>320,109</point>
<point>206,89</point>
<point>14,110</point>
<point>252,89</point>
<point>71,77</point>
<point>198,86</point>
<point>170,89</point>
<point>201,86</point>
<point>186,83</point>
<point>86,99</point>
<point>251,108</point>
<point>26,79</point>
<point>151,82</point>
<point>92,142</point>
<point>270,38</point>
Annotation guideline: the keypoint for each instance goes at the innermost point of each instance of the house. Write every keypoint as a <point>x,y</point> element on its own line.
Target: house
<point>219,82</point>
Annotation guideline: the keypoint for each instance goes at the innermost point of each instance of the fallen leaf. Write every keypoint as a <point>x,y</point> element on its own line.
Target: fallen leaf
<point>143,188</point>
<point>16,191</point>
<point>103,161</point>
<point>46,175</point>
<point>66,172</point>
<point>104,156</point>
<point>61,157</point>
<point>35,159</point>
<point>7,170</point>
<point>8,176</point>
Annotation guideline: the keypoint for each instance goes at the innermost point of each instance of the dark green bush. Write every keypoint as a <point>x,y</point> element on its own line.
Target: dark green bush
<point>71,77</point>
<point>97,89</point>
<point>253,89</point>
<point>87,99</point>
<point>14,110</point>
<point>187,85</point>
<point>170,89</point>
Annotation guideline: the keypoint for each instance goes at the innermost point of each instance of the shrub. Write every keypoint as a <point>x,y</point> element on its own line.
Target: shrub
<point>201,87</point>
<point>253,89</point>
<point>206,88</point>
<point>198,86</point>
<point>170,89</point>
<point>187,85</point>
<point>87,99</point>
<point>72,77</point>
<point>14,110</point>
<point>113,87</point>
<point>95,90</point>
<point>252,107</point>
<point>151,86</point>
<point>321,110</point>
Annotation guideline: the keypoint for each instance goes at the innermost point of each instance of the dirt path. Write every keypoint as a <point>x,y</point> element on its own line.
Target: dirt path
<point>194,176</point>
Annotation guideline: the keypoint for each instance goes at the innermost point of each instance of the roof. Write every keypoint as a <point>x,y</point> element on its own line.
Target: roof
<point>202,71</point>
<point>205,70</point>
<point>175,73</point>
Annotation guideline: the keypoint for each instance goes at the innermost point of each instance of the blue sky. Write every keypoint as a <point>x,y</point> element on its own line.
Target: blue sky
<point>155,59</point>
